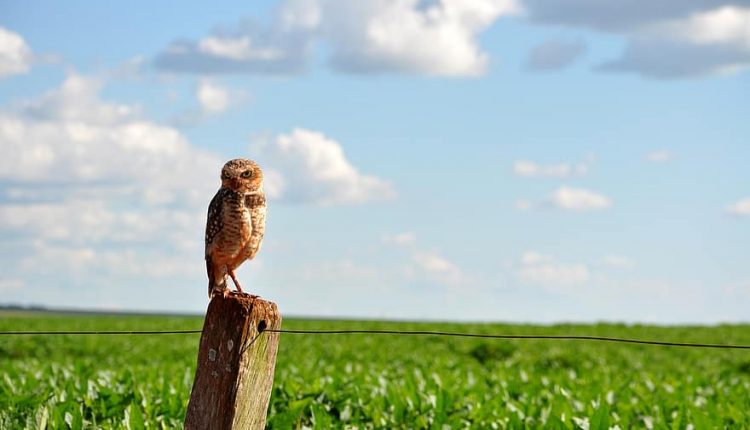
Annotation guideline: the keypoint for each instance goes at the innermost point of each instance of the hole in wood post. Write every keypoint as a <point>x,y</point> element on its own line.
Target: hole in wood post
<point>261,326</point>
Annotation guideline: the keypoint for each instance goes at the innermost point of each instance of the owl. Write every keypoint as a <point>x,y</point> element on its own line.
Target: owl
<point>236,223</point>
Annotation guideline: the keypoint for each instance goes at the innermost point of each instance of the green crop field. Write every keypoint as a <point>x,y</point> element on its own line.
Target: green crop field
<point>365,381</point>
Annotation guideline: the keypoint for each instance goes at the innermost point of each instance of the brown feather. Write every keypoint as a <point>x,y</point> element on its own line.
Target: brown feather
<point>236,222</point>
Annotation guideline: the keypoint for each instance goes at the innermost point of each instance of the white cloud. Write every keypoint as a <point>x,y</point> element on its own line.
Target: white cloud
<point>578,199</point>
<point>307,167</point>
<point>15,54</point>
<point>723,25</point>
<point>568,199</point>
<point>90,262</point>
<point>410,36</point>
<point>279,49</point>
<point>77,101</point>
<point>705,42</point>
<point>70,135</point>
<point>667,39</point>
<point>532,169</point>
<point>660,156</point>
<point>93,191</point>
<point>300,14</point>
<point>441,37</point>
<point>48,257</point>
<point>437,38</point>
<point>236,48</point>
<point>213,97</point>
<point>740,208</point>
<point>94,220</point>
<point>545,270</point>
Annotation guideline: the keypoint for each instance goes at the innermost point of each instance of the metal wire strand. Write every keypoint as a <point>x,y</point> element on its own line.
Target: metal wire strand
<point>99,332</point>
<point>517,336</point>
<point>406,333</point>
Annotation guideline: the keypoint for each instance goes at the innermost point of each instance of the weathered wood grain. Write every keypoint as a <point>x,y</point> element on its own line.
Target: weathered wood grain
<point>236,363</point>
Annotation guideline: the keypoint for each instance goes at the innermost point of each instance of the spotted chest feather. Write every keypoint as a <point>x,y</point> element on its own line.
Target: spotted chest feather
<point>235,226</point>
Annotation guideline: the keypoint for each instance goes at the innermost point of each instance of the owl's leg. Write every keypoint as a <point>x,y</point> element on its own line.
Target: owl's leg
<point>217,279</point>
<point>236,282</point>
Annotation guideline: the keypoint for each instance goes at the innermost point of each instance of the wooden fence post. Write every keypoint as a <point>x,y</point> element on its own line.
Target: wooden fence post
<point>236,361</point>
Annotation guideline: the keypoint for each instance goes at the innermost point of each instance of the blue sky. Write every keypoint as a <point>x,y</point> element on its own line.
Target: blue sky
<point>462,160</point>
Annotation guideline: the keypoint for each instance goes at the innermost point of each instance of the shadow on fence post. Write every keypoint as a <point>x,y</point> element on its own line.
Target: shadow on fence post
<point>236,362</point>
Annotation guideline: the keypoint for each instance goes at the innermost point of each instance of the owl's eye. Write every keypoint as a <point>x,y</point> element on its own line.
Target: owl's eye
<point>246,174</point>
<point>225,175</point>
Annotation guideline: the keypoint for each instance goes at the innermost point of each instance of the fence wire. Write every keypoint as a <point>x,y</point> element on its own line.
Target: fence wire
<point>403,333</point>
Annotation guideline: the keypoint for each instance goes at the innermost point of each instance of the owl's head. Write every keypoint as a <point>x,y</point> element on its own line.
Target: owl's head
<point>242,175</point>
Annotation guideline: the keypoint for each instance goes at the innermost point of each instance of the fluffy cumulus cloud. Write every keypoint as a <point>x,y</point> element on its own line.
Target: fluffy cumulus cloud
<point>545,270</point>
<point>554,54</point>
<point>15,54</point>
<point>431,38</point>
<point>91,189</point>
<point>410,36</point>
<point>306,166</point>
<point>665,39</point>
<point>740,208</point>
<point>71,136</point>
<point>94,193</point>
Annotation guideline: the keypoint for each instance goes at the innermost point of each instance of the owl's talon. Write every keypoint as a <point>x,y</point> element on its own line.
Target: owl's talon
<point>241,293</point>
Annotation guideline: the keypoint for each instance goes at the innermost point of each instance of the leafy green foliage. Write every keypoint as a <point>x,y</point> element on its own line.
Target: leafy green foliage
<point>378,381</point>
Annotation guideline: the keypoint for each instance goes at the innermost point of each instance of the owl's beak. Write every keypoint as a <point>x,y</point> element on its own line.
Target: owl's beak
<point>235,183</point>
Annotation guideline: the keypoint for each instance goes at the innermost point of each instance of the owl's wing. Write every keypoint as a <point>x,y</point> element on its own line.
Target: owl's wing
<point>214,221</point>
<point>214,225</point>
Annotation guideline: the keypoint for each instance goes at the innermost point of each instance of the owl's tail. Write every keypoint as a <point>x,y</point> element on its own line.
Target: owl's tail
<point>217,282</point>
